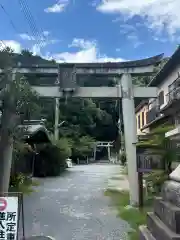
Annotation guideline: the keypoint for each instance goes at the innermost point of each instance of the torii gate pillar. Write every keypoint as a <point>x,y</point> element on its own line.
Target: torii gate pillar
<point>130,135</point>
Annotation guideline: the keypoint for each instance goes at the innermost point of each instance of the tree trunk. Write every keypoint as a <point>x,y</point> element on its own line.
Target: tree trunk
<point>8,122</point>
<point>6,148</point>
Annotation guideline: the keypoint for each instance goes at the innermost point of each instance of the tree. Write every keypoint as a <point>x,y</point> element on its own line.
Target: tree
<point>26,53</point>
<point>157,141</point>
<point>83,147</point>
<point>15,96</point>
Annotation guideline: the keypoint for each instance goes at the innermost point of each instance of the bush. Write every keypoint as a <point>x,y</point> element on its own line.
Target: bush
<point>22,159</point>
<point>83,147</point>
<point>65,147</point>
<point>157,142</point>
<point>155,180</point>
<point>22,183</point>
<point>123,157</point>
<point>17,179</point>
<point>21,168</point>
<point>51,160</point>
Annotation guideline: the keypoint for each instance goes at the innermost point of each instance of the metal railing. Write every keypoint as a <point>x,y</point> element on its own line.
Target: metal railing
<point>173,95</point>
<point>154,112</point>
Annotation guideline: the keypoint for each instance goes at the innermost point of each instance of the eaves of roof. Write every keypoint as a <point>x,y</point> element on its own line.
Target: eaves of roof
<point>167,69</point>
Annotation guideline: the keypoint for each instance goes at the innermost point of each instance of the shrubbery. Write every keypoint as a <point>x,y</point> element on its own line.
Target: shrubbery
<point>158,143</point>
<point>51,160</point>
<point>21,168</point>
<point>123,157</point>
<point>155,180</point>
<point>83,147</point>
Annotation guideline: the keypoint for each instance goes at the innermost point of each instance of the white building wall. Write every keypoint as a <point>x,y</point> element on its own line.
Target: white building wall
<point>164,85</point>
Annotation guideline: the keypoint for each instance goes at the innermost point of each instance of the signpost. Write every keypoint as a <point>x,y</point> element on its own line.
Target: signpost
<point>147,161</point>
<point>3,204</point>
<point>11,205</point>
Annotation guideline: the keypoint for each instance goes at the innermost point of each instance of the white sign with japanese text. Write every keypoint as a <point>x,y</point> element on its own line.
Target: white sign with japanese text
<point>8,218</point>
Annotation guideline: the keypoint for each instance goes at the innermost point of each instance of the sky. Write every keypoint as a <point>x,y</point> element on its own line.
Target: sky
<point>91,30</point>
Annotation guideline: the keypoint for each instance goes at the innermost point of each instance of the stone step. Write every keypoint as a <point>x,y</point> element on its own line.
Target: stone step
<point>144,234</point>
<point>159,230</point>
<point>168,213</point>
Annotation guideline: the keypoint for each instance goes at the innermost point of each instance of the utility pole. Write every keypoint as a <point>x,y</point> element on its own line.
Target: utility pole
<point>6,141</point>
<point>56,124</point>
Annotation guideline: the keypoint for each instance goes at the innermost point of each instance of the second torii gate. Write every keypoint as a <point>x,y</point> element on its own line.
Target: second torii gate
<point>66,86</point>
<point>108,145</point>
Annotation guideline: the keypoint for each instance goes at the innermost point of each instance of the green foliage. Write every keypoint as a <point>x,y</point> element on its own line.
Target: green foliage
<point>157,142</point>
<point>21,159</point>
<point>21,169</point>
<point>24,97</point>
<point>123,157</point>
<point>154,181</point>
<point>22,183</point>
<point>84,117</point>
<point>65,147</point>
<point>134,216</point>
<point>51,160</point>
<point>83,146</point>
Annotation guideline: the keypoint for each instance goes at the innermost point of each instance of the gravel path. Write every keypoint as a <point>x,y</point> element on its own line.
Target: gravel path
<point>73,206</point>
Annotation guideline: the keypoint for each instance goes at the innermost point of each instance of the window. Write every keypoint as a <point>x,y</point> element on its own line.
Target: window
<point>142,119</point>
<point>161,98</point>
<point>139,122</point>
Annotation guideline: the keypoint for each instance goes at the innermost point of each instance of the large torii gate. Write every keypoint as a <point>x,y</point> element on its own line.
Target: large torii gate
<point>66,86</point>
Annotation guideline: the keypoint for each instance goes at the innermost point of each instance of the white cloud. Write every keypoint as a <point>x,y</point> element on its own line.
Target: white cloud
<point>159,14</point>
<point>40,37</point>
<point>46,33</point>
<point>36,48</point>
<point>88,52</point>
<point>81,43</point>
<point>39,42</point>
<point>14,45</point>
<point>134,40</point>
<point>126,28</point>
<point>25,36</point>
<point>60,6</point>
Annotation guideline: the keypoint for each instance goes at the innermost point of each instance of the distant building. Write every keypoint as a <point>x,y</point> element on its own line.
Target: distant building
<point>166,107</point>
<point>141,117</point>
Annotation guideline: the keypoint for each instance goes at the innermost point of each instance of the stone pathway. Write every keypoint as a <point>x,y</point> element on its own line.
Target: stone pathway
<point>118,181</point>
<point>73,206</point>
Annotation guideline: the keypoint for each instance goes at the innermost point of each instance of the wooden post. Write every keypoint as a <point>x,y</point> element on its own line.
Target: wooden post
<point>141,192</point>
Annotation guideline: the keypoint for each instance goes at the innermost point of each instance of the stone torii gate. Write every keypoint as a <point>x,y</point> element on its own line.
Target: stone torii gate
<point>67,87</point>
<point>108,145</point>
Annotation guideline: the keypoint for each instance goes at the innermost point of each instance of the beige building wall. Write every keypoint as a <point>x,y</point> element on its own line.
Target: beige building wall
<point>140,122</point>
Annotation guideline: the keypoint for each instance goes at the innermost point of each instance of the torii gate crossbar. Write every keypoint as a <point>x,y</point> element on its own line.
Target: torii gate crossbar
<point>125,90</point>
